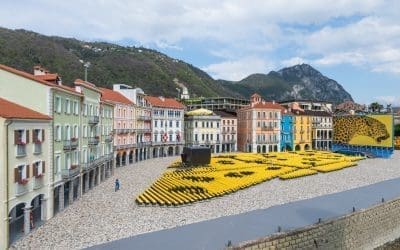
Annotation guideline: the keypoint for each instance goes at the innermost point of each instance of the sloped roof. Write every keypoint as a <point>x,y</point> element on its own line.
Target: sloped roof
<point>114,96</point>
<point>86,84</point>
<point>36,79</point>
<point>164,102</point>
<point>11,110</point>
<point>224,114</point>
<point>199,112</point>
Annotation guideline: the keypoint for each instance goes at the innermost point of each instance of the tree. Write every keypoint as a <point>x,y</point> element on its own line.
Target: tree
<point>397,130</point>
<point>375,107</point>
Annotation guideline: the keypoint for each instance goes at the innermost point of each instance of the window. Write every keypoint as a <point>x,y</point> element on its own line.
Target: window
<point>202,137</point>
<point>177,124</point>
<point>217,137</point>
<point>58,133</point>
<point>76,131</point>
<point>217,124</point>
<point>38,136</point>
<point>84,131</point>
<point>155,124</point>
<point>170,137</point>
<point>76,108</point>
<point>211,137</point>
<point>195,125</point>
<point>21,174</point>
<point>67,106</point>
<point>195,137</point>
<point>57,104</point>
<point>155,137</point>
<point>170,124</point>
<point>57,164</point>
<point>38,168</point>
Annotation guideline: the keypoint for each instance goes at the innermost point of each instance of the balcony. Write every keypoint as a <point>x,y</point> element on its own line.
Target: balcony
<point>124,146</point>
<point>144,118</point>
<point>93,120</point>
<point>21,188</point>
<point>70,173</point>
<point>108,138</point>
<point>267,141</point>
<point>37,148</point>
<point>144,144</point>
<point>38,182</point>
<point>93,140</point>
<point>71,144</point>
<point>122,131</point>
<point>21,150</point>
<point>228,141</point>
<point>267,128</point>
<point>92,163</point>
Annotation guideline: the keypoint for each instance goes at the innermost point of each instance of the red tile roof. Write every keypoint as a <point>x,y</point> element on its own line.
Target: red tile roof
<point>12,110</point>
<point>164,102</point>
<point>34,78</point>
<point>114,96</point>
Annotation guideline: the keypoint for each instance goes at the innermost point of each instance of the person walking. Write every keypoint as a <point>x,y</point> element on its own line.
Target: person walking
<point>116,185</point>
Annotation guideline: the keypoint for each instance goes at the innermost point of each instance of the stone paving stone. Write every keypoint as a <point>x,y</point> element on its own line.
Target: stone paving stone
<point>103,215</point>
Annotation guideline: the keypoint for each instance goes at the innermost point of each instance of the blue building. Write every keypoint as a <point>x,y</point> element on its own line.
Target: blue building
<point>286,131</point>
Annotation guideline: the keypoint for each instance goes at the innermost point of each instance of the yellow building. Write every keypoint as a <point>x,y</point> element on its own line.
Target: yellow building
<point>302,136</point>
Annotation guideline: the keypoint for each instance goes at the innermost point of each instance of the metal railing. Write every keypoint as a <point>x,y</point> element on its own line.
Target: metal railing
<point>108,138</point>
<point>144,117</point>
<point>267,141</point>
<point>267,128</point>
<point>122,131</point>
<point>93,140</point>
<point>124,146</point>
<point>70,173</point>
<point>71,144</point>
<point>93,119</point>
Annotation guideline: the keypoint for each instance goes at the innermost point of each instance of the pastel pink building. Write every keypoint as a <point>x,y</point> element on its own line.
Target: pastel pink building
<point>124,127</point>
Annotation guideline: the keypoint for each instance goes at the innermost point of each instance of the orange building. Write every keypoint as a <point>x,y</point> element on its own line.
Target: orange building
<point>259,126</point>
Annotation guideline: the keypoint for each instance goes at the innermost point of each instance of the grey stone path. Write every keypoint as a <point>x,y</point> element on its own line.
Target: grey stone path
<point>103,215</point>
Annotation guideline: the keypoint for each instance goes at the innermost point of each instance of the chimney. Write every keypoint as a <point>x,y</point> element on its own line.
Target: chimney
<point>273,102</point>
<point>162,98</point>
<point>39,70</point>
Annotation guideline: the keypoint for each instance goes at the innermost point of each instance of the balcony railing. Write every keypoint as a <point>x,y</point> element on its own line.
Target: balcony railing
<point>228,141</point>
<point>122,131</point>
<point>21,189</point>
<point>144,117</point>
<point>37,148</point>
<point>93,140</point>
<point>93,163</point>
<point>21,150</point>
<point>70,173</point>
<point>71,144</point>
<point>267,128</point>
<point>124,146</point>
<point>108,138</point>
<point>143,144</point>
<point>267,141</point>
<point>93,120</point>
<point>38,182</point>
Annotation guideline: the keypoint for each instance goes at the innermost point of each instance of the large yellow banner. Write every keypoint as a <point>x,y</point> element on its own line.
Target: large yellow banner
<point>366,130</point>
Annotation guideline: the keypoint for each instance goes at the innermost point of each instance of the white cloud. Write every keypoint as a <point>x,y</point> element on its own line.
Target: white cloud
<point>293,61</point>
<point>239,69</point>
<point>394,100</point>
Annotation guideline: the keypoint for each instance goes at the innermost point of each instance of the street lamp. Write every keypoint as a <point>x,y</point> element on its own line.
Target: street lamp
<point>86,65</point>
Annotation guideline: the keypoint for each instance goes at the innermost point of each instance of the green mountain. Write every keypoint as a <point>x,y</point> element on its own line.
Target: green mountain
<point>154,72</point>
<point>148,69</point>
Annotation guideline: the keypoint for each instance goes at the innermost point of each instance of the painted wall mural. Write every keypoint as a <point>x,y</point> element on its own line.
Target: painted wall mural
<point>367,130</point>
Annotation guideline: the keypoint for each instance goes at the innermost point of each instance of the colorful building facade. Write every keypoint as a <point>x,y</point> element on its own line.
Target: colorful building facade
<point>202,128</point>
<point>259,126</point>
<point>286,130</point>
<point>228,131</point>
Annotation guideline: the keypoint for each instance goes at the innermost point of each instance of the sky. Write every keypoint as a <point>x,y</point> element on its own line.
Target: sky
<point>356,43</point>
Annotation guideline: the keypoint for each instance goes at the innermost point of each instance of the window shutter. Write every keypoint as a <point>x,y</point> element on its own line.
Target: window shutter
<point>43,167</point>
<point>15,136</point>
<point>34,168</point>
<point>27,136</point>
<point>27,171</point>
<point>33,136</point>
<point>16,175</point>
<point>42,135</point>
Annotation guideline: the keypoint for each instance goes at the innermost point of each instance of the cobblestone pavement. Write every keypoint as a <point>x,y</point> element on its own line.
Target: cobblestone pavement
<point>103,215</point>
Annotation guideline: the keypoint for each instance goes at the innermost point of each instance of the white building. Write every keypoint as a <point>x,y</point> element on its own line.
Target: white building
<point>203,128</point>
<point>167,126</point>
<point>228,131</point>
